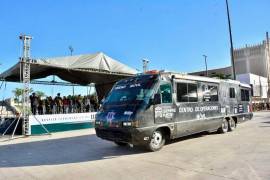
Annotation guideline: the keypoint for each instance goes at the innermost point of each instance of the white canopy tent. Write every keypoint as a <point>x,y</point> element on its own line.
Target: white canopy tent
<point>97,68</point>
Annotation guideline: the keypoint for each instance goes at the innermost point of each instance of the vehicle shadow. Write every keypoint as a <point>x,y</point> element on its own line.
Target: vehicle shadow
<point>193,136</point>
<point>265,126</point>
<point>61,151</point>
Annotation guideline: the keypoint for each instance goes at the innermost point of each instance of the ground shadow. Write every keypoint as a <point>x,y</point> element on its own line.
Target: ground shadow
<point>265,122</point>
<point>193,136</point>
<point>69,150</point>
<point>61,151</point>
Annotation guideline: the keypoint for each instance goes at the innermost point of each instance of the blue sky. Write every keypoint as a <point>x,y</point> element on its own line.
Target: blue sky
<point>172,34</point>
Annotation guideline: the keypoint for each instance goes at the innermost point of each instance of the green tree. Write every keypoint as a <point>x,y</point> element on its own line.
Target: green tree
<point>18,93</point>
<point>40,94</point>
<point>221,76</point>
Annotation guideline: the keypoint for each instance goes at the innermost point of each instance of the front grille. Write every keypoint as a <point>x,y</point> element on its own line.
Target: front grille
<point>114,135</point>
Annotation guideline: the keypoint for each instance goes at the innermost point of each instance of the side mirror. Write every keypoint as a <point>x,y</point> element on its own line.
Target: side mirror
<point>102,100</point>
<point>157,99</point>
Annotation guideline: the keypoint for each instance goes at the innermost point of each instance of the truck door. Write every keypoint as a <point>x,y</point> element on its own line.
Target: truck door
<point>188,117</point>
<point>165,112</point>
<point>210,106</point>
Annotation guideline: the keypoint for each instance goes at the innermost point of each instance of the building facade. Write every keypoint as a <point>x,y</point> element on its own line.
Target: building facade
<point>253,59</point>
<point>252,66</point>
<point>259,86</point>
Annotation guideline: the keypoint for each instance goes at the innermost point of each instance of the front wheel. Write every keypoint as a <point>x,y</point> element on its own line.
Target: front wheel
<point>157,141</point>
<point>232,125</point>
<point>224,126</point>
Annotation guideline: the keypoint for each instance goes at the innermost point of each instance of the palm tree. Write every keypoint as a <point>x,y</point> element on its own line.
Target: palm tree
<point>17,93</point>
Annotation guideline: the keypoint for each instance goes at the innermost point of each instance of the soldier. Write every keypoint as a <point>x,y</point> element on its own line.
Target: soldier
<point>34,103</point>
<point>59,103</point>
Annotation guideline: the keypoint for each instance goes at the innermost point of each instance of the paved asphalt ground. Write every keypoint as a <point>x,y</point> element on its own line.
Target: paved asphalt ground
<point>242,154</point>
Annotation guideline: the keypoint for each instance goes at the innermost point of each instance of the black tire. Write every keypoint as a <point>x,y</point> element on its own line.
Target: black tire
<point>232,125</point>
<point>157,141</point>
<point>224,127</point>
<point>120,143</point>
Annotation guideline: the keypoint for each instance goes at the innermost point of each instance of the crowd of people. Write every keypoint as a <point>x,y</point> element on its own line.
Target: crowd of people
<point>260,106</point>
<point>63,105</point>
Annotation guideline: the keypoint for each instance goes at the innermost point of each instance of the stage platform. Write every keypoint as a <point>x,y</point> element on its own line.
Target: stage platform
<point>53,123</point>
<point>61,122</point>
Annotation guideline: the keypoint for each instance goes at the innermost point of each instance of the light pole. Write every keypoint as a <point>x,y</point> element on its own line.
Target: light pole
<point>0,65</point>
<point>145,64</point>
<point>231,41</point>
<point>268,64</point>
<point>205,62</point>
<point>71,52</point>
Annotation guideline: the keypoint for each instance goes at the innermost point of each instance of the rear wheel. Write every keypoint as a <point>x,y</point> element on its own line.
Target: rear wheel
<point>157,141</point>
<point>232,125</point>
<point>224,126</point>
<point>120,143</point>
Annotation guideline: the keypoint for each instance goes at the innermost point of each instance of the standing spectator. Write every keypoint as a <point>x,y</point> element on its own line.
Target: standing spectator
<point>59,103</point>
<point>79,104</point>
<point>40,106</point>
<point>65,104</point>
<point>70,104</point>
<point>34,103</point>
<point>52,105</point>
<point>47,106</point>
<point>31,97</point>
<point>75,106</point>
<point>87,104</point>
<point>94,103</point>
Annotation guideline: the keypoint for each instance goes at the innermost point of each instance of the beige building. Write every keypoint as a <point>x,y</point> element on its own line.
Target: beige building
<point>251,66</point>
<point>252,59</point>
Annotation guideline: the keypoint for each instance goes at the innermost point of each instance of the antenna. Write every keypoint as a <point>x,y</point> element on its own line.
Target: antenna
<point>205,61</point>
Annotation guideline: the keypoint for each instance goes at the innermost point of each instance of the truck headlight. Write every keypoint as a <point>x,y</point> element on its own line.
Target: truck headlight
<point>97,122</point>
<point>131,123</point>
<point>126,123</point>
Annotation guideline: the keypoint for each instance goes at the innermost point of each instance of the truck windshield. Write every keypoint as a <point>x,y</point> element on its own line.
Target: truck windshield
<point>132,90</point>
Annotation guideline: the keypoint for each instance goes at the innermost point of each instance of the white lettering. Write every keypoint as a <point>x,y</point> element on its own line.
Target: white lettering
<point>198,109</point>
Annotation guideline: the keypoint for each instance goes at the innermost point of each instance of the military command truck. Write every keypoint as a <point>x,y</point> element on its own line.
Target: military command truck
<point>152,108</point>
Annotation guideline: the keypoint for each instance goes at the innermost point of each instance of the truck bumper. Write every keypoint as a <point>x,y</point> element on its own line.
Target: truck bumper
<point>135,136</point>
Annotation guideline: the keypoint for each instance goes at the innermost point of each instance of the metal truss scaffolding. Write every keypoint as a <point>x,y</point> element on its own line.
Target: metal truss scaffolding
<point>25,70</point>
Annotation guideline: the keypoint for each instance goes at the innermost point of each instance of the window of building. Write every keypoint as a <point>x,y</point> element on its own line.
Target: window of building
<point>210,93</point>
<point>232,93</point>
<point>187,92</point>
<point>244,95</point>
<point>166,93</point>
